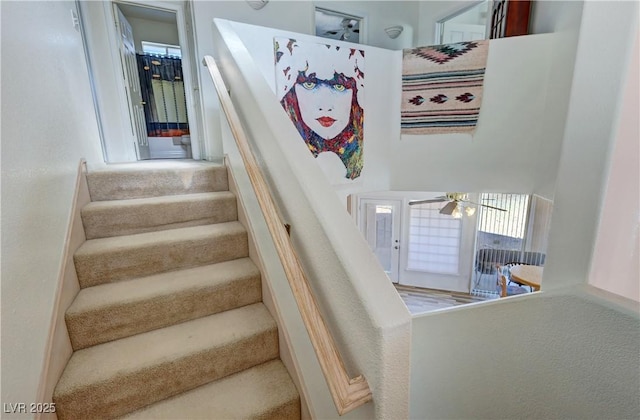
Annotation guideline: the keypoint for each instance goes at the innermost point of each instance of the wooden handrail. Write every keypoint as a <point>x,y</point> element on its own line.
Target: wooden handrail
<point>348,393</point>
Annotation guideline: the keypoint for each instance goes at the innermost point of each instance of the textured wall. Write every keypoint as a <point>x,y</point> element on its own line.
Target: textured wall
<point>545,356</point>
<point>48,124</point>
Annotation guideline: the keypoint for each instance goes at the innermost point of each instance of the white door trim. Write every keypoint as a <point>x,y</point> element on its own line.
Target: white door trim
<point>193,111</point>
<point>396,220</point>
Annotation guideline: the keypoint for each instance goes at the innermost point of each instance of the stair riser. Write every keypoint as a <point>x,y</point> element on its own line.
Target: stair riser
<point>113,322</point>
<point>154,183</point>
<point>124,263</point>
<point>128,220</point>
<point>130,391</point>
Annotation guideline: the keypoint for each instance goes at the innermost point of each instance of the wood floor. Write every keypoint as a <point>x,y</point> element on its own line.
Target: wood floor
<point>419,300</point>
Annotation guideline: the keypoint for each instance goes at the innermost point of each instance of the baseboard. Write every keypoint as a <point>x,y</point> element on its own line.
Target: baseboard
<point>286,352</point>
<point>59,350</point>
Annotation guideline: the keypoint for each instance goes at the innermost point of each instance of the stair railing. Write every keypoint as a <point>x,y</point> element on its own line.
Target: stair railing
<point>347,393</point>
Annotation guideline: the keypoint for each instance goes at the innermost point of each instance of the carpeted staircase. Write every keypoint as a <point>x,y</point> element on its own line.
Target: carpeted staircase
<point>169,322</point>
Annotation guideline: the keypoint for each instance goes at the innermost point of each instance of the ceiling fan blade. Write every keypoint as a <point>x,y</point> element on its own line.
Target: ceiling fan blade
<point>433,200</point>
<point>448,209</point>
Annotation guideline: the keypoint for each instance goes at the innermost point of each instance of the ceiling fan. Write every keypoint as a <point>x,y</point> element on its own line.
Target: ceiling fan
<point>457,201</point>
<point>349,26</point>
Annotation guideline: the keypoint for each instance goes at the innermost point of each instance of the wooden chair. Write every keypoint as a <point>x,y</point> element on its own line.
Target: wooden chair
<point>504,287</point>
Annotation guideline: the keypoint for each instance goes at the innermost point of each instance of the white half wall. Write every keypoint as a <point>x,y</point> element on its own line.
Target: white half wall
<point>48,125</point>
<point>366,316</point>
<point>540,356</point>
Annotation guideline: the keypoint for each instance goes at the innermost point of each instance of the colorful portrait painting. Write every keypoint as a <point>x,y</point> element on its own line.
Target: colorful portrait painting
<point>321,87</point>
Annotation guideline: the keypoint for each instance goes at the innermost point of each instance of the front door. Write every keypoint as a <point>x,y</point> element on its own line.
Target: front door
<point>132,85</point>
<point>381,227</point>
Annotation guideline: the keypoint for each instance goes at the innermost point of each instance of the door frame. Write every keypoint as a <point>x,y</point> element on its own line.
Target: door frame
<point>439,27</point>
<point>191,86</point>
<point>397,215</point>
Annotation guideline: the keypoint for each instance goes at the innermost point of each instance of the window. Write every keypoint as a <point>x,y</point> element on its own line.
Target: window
<point>434,240</point>
<point>504,226</point>
<point>518,234</point>
<point>161,49</point>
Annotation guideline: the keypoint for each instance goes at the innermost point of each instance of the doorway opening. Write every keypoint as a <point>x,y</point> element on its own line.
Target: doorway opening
<point>151,53</point>
<point>468,24</point>
<point>144,114</point>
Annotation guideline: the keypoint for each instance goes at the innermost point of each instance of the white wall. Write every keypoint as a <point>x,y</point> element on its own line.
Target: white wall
<point>541,356</point>
<point>562,18</point>
<point>380,15</point>
<point>591,129</point>
<point>504,154</point>
<point>48,124</point>
<point>615,266</point>
<point>153,31</point>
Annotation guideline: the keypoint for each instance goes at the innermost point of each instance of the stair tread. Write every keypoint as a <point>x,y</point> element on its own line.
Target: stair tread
<point>140,289</point>
<point>160,200</point>
<point>103,219</point>
<point>154,178</point>
<point>99,245</point>
<point>117,258</point>
<point>104,362</point>
<point>258,392</point>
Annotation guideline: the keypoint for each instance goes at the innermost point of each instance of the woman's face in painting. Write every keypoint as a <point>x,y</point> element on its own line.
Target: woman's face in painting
<point>325,105</point>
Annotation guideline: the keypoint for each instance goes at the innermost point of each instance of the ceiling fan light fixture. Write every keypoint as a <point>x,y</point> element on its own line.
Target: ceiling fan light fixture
<point>257,4</point>
<point>470,211</point>
<point>394,31</point>
<point>456,214</point>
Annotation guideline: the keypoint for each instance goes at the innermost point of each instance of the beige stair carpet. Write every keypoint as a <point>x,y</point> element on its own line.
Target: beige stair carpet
<point>123,375</point>
<point>138,215</point>
<point>262,392</point>
<point>169,321</point>
<point>106,260</point>
<point>154,179</point>
<point>110,311</point>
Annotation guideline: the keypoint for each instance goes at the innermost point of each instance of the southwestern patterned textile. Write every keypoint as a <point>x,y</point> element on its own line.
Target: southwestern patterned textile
<point>442,87</point>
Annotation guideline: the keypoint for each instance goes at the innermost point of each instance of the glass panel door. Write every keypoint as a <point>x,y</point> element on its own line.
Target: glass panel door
<point>380,225</point>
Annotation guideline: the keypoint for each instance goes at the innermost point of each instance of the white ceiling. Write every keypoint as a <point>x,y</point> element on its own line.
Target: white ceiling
<point>148,13</point>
